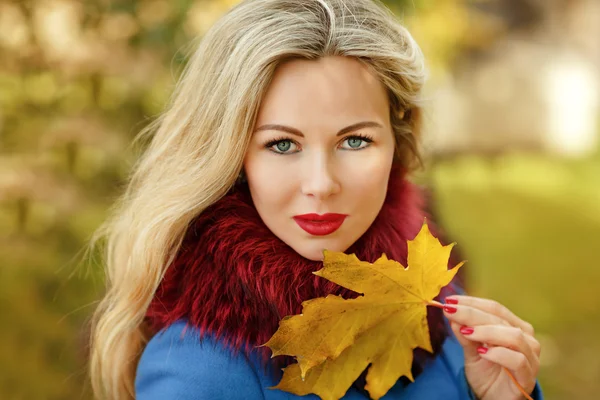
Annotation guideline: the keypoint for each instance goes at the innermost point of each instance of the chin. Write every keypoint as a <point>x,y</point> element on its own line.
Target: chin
<point>311,254</point>
<point>316,253</point>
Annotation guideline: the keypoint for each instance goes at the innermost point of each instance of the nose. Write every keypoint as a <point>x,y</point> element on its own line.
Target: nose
<point>319,177</point>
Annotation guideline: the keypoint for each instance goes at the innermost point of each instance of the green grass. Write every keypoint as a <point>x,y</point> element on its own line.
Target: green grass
<point>530,229</point>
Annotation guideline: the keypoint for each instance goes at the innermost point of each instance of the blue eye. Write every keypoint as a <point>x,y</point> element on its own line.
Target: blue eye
<point>356,142</point>
<point>282,146</point>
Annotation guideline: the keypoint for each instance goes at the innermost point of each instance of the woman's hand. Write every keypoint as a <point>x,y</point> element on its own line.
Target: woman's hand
<point>493,337</point>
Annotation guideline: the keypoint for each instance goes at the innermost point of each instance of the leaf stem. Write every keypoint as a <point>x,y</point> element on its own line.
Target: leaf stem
<point>512,378</point>
<point>435,304</point>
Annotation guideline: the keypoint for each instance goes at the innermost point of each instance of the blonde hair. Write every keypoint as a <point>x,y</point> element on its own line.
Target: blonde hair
<point>197,147</point>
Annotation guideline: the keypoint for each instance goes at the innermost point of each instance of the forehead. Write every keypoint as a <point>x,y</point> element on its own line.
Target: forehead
<point>331,88</point>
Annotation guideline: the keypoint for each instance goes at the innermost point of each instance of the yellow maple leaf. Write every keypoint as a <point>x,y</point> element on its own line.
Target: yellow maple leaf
<point>335,339</point>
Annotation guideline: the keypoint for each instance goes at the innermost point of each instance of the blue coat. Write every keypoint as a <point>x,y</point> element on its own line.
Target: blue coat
<point>176,364</point>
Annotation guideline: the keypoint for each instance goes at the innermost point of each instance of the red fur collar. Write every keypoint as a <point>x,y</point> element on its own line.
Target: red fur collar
<point>236,279</point>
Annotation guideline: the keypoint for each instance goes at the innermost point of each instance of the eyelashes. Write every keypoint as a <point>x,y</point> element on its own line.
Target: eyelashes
<point>364,138</point>
<point>283,139</point>
<point>273,142</point>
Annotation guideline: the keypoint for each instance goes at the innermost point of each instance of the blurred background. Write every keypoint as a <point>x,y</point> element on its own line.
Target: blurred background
<point>512,139</point>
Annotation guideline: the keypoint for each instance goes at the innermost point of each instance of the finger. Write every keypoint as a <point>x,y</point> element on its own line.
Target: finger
<point>469,346</point>
<point>470,316</point>
<point>504,336</point>
<point>535,345</point>
<point>495,308</point>
<point>515,362</point>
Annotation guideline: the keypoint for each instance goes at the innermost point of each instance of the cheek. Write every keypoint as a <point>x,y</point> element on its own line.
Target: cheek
<point>366,186</point>
<point>270,181</point>
<point>370,176</point>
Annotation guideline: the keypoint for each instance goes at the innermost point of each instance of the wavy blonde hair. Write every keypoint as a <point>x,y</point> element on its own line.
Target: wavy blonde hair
<point>197,147</point>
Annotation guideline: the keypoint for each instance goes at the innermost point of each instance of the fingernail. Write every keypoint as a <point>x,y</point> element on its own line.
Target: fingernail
<point>450,309</point>
<point>465,330</point>
<point>482,350</point>
<point>451,301</point>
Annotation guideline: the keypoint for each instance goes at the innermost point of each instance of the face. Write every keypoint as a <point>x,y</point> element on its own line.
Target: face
<point>320,157</point>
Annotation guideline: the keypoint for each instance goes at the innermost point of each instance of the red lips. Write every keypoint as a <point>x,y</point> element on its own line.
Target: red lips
<point>320,225</point>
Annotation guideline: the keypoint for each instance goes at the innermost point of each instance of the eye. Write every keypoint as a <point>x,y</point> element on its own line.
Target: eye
<point>356,142</point>
<point>282,146</point>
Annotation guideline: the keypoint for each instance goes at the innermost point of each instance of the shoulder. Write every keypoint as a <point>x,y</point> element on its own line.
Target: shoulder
<point>178,363</point>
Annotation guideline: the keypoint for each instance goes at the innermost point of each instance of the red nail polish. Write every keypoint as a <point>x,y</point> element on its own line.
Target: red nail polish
<point>482,350</point>
<point>450,309</point>
<point>465,330</point>
<point>451,301</point>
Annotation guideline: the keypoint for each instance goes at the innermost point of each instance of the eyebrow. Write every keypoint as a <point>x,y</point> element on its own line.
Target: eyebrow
<point>294,131</point>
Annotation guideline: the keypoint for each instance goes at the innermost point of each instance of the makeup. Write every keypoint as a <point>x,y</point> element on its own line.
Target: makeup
<point>320,225</point>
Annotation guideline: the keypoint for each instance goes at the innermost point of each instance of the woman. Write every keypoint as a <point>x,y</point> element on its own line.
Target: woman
<point>292,130</point>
